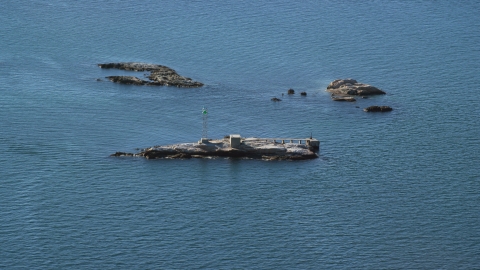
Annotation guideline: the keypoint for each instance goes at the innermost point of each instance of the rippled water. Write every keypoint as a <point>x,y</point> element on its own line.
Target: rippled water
<point>394,190</point>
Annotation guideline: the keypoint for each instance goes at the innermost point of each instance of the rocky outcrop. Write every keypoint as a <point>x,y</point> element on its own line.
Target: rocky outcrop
<point>291,91</point>
<point>133,66</point>
<point>352,88</point>
<point>303,93</point>
<point>248,148</point>
<point>378,109</point>
<point>159,75</point>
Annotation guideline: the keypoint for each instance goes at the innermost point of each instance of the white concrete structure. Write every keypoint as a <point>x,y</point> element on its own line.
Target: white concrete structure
<point>235,140</point>
<point>314,143</point>
<point>203,140</point>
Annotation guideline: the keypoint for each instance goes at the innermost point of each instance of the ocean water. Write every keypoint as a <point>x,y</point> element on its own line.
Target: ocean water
<point>396,190</point>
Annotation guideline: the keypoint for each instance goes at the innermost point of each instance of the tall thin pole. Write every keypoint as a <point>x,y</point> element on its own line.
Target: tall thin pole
<point>205,121</point>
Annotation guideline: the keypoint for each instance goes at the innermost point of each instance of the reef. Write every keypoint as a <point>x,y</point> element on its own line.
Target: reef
<point>159,75</point>
<point>254,148</point>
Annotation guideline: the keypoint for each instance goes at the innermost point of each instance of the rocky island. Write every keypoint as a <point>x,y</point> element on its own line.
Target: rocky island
<point>351,87</point>
<point>236,147</point>
<point>159,75</point>
<point>345,89</point>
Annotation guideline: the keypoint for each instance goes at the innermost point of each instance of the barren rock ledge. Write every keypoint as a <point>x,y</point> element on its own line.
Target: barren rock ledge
<point>159,75</point>
<point>352,88</point>
<point>236,147</point>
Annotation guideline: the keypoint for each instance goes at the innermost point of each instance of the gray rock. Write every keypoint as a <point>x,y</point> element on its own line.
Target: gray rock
<point>353,88</point>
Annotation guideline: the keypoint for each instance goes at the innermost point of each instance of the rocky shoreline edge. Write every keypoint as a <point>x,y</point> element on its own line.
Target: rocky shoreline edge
<point>252,148</point>
<point>159,75</point>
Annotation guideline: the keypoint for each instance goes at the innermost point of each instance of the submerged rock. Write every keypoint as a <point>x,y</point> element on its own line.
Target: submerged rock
<point>276,99</point>
<point>349,99</point>
<point>353,88</point>
<point>159,75</point>
<point>378,109</point>
<point>121,154</point>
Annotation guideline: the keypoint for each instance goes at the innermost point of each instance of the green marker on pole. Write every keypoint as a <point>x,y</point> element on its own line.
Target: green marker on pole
<point>205,128</point>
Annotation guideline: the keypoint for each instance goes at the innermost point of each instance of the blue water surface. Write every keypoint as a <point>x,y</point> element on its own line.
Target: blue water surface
<point>394,190</point>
